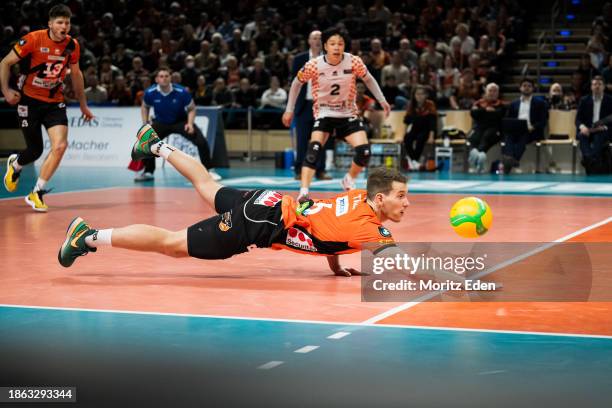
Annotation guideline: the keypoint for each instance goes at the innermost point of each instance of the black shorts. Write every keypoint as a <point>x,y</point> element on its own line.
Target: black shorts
<point>342,126</point>
<point>244,218</point>
<point>32,113</point>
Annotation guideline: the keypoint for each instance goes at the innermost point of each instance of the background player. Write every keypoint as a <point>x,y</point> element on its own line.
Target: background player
<point>45,56</point>
<point>175,112</point>
<point>333,77</point>
<point>340,225</point>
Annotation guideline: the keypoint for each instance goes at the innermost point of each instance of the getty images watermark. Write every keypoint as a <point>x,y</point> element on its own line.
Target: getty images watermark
<point>488,272</point>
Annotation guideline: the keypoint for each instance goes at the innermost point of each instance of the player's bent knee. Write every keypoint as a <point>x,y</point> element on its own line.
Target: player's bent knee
<point>362,155</point>
<point>312,154</point>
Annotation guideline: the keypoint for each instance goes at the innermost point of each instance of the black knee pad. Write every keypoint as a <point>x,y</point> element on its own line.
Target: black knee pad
<point>312,154</point>
<point>362,155</point>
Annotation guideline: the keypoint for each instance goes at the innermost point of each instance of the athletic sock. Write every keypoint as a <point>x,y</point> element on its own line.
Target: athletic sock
<point>303,191</point>
<point>99,238</point>
<point>40,184</point>
<point>162,149</point>
<point>16,166</point>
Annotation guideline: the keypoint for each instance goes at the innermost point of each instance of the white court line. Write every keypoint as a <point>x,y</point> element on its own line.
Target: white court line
<point>20,197</point>
<point>270,365</point>
<point>319,322</point>
<point>539,249</point>
<point>306,349</point>
<point>338,336</point>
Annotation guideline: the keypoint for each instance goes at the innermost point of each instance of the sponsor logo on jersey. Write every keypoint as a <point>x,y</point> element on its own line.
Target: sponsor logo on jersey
<point>226,221</point>
<point>342,205</point>
<point>269,198</point>
<point>384,232</point>
<point>56,58</point>
<point>22,111</point>
<point>348,71</point>
<point>44,49</point>
<point>335,73</point>
<point>57,51</point>
<point>299,240</point>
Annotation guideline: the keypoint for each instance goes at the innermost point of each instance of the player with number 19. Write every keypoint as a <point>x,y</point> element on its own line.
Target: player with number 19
<point>333,77</point>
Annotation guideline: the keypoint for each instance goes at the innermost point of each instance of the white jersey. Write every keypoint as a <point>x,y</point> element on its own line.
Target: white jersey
<point>333,86</point>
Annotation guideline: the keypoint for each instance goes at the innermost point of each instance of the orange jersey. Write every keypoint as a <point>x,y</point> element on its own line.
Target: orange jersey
<point>44,63</point>
<point>339,225</point>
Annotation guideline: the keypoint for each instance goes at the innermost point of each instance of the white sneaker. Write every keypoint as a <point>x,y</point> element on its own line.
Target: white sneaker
<point>416,165</point>
<point>348,183</point>
<point>215,176</point>
<point>473,158</point>
<point>145,176</point>
<point>481,162</point>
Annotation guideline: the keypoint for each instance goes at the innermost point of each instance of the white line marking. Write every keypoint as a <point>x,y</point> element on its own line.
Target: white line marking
<point>20,197</point>
<point>518,258</point>
<point>338,336</point>
<point>492,372</point>
<point>306,349</point>
<point>270,365</point>
<point>329,323</point>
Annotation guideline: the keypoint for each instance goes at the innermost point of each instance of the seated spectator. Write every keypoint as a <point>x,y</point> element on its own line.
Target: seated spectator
<point>594,146</point>
<point>455,53</point>
<point>579,88</point>
<point>424,75</point>
<point>467,93</point>
<point>275,61</point>
<point>137,71</point>
<point>557,100</point>
<point>485,52</point>
<point>275,99</point>
<point>468,45</point>
<point>422,120</point>
<point>244,96</point>
<point>190,73</point>
<point>395,97</point>
<point>534,111</point>
<point>378,58</point>
<point>447,83</point>
<point>252,53</point>
<point>94,92</point>
<point>232,73</point>
<point>142,84</point>
<point>202,94</point>
<point>206,61</point>
<point>487,114</point>
<point>120,94</point>
<point>365,108</point>
<point>397,69</point>
<point>408,56</point>
<point>395,30</point>
<point>259,76</point>
<point>236,45</point>
<point>433,58</point>
<point>108,72</point>
<point>177,78</point>
<point>221,95</point>
<point>356,48</point>
<point>596,47</point>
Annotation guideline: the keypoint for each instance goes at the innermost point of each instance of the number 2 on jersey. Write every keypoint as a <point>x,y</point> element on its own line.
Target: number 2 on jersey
<point>335,90</point>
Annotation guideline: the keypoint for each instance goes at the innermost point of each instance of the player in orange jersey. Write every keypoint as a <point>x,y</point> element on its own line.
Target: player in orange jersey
<point>343,224</point>
<point>44,56</point>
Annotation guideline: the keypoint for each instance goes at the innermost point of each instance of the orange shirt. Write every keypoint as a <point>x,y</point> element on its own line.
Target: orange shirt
<point>340,225</point>
<point>43,64</point>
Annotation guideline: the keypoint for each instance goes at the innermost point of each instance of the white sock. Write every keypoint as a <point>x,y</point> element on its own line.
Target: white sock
<point>99,238</point>
<point>16,165</point>
<point>40,184</point>
<point>162,149</point>
<point>303,191</point>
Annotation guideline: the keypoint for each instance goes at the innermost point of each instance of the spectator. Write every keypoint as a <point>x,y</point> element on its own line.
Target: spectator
<point>176,78</point>
<point>120,58</point>
<point>487,114</point>
<point>433,58</point>
<point>557,100</point>
<point>235,43</point>
<point>380,12</point>
<point>395,97</point>
<point>248,59</point>
<point>188,42</point>
<point>275,97</point>
<point>119,94</point>
<point>424,75</point>
<point>108,72</point>
<point>351,21</point>
<point>252,28</point>
<point>395,30</point>
<point>422,119</point>
<point>356,48</point>
<point>467,42</point>
<point>220,95</point>
<point>206,61</point>
<point>190,73</point>
<point>95,93</point>
<point>484,51</point>
<point>275,61</point>
<point>232,73</point>
<point>532,110</point>
<point>144,83</point>
<point>201,94</point>
<point>227,26</point>
<point>399,71</point>
<point>447,82</point>
<point>596,47</point>
<point>606,73</point>
<point>378,58</point>
<point>137,71</point>
<point>259,76</point>
<point>152,57</point>
<point>244,96</point>
<point>594,145</point>
<point>205,28</point>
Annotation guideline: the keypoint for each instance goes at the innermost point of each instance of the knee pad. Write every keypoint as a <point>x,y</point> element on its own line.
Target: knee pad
<point>362,155</point>
<point>312,154</point>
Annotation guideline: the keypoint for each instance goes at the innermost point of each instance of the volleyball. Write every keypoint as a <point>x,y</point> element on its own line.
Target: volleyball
<point>471,217</point>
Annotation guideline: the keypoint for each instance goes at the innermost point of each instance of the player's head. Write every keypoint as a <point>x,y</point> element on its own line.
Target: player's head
<point>387,190</point>
<point>334,42</point>
<point>59,21</point>
<point>163,77</point>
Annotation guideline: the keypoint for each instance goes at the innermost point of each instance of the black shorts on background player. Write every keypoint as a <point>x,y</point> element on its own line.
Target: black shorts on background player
<point>31,114</point>
<point>244,218</point>
<point>342,126</point>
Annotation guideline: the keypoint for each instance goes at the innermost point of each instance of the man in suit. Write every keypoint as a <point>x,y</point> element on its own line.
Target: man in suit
<point>594,146</point>
<point>532,110</point>
<point>303,119</point>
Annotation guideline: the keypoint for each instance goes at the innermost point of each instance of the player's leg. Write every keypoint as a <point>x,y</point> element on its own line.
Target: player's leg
<point>359,141</point>
<point>32,133</point>
<point>58,135</point>
<point>315,149</point>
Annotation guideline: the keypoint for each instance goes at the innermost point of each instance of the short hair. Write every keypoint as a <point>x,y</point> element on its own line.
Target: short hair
<point>381,180</point>
<point>527,79</point>
<point>598,78</point>
<point>327,34</point>
<point>164,68</point>
<point>59,10</point>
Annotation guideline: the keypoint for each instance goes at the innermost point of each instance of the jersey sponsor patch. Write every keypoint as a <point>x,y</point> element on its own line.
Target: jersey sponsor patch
<point>22,111</point>
<point>342,205</point>
<point>299,240</point>
<point>269,198</point>
<point>226,221</point>
<point>384,232</point>
<point>44,50</point>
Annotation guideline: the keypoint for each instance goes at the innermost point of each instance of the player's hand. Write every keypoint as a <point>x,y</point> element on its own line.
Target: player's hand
<point>86,113</point>
<point>386,108</point>
<point>348,272</point>
<point>287,118</point>
<point>12,96</point>
<point>189,128</point>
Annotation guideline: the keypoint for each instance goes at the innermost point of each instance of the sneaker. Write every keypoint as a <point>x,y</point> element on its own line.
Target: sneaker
<point>215,176</point>
<point>11,177</point>
<point>147,137</point>
<point>145,176</point>
<point>35,200</point>
<point>74,245</point>
<point>481,162</point>
<point>348,183</point>
<point>473,158</point>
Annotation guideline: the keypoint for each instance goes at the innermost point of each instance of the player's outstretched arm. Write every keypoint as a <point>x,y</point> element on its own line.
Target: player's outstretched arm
<point>296,85</point>
<point>12,96</point>
<point>372,85</point>
<point>338,270</point>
